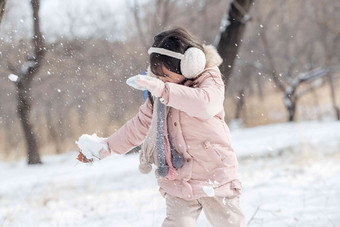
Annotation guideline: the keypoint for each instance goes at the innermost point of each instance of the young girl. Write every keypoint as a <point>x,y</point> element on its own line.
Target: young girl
<point>184,133</point>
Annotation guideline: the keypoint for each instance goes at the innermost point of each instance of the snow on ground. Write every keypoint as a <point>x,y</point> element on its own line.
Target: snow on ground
<point>290,175</point>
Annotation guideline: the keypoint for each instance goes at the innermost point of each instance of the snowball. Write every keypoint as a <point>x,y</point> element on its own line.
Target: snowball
<point>209,191</point>
<point>132,81</point>
<point>13,77</point>
<point>90,145</point>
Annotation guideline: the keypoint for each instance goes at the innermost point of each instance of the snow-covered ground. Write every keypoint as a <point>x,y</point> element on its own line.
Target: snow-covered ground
<point>290,174</point>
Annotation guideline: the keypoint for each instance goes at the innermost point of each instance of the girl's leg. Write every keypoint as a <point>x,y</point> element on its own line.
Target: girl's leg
<point>180,212</point>
<point>222,211</point>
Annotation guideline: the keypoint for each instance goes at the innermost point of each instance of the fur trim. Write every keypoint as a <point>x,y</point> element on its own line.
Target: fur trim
<point>212,56</point>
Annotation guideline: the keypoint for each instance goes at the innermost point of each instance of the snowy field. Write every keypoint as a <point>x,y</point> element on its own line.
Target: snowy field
<point>290,174</point>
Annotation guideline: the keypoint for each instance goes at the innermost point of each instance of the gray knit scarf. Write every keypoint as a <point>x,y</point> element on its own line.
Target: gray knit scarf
<point>163,154</point>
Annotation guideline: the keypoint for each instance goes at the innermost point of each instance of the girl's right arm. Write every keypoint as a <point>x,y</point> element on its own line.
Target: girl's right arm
<point>203,101</point>
<point>133,132</point>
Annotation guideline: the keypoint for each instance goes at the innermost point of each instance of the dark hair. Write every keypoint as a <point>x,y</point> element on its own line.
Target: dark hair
<point>178,40</point>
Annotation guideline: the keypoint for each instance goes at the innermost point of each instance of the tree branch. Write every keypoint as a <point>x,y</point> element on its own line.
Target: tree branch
<point>272,66</point>
<point>135,12</point>
<point>311,88</point>
<point>305,77</point>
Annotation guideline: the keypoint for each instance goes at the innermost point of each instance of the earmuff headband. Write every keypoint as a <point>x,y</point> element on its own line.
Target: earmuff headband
<point>166,52</point>
<point>192,61</point>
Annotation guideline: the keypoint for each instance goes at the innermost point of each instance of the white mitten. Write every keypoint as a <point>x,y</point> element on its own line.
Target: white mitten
<point>156,87</point>
<point>133,81</point>
<point>92,147</point>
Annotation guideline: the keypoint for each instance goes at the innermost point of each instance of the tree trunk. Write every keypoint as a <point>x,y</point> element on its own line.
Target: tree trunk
<point>290,104</point>
<point>24,107</point>
<point>230,37</point>
<point>337,110</point>
<point>2,8</point>
<point>291,111</point>
<point>23,84</point>
<point>332,89</point>
<point>240,104</point>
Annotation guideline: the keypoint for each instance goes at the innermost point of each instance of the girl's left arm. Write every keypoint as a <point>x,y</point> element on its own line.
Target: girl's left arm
<point>203,102</point>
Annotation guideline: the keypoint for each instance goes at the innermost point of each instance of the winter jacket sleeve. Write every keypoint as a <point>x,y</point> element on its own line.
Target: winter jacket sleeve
<point>204,101</point>
<point>133,132</point>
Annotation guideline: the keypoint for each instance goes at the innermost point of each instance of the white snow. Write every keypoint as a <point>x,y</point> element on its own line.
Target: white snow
<point>13,77</point>
<point>290,174</point>
<point>90,145</point>
<point>209,191</point>
<point>271,140</point>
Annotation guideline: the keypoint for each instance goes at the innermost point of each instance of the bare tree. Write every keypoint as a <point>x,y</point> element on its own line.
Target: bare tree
<point>329,38</point>
<point>231,32</point>
<point>135,11</point>
<point>159,19</point>
<point>287,84</point>
<point>2,8</point>
<point>24,88</point>
<point>291,96</point>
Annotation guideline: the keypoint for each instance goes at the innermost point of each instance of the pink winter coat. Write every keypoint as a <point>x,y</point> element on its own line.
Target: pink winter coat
<point>198,131</point>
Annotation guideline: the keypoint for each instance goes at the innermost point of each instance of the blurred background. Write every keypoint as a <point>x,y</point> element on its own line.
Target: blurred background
<point>93,47</point>
<point>63,67</point>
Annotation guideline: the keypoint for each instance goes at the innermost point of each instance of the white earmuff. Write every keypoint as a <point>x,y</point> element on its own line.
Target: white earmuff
<point>192,61</point>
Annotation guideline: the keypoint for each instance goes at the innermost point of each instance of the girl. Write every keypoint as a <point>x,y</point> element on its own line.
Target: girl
<point>184,133</point>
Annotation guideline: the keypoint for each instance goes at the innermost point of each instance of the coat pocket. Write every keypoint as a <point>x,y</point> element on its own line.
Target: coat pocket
<point>211,153</point>
<point>221,154</point>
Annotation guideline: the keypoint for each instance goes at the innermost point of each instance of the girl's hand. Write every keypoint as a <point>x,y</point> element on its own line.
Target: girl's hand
<point>103,153</point>
<point>156,87</point>
<point>82,158</point>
